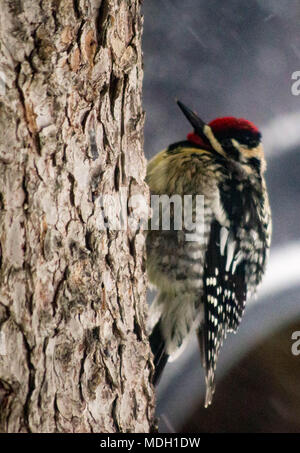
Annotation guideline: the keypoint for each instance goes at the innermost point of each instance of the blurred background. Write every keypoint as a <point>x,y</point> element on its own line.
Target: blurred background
<point>235,58</point>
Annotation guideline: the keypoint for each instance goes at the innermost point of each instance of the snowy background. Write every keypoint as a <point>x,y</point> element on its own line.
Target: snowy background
<point>233,58</point>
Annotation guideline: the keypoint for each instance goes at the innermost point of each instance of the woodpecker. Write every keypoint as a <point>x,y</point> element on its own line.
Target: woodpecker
<point>202,285</point>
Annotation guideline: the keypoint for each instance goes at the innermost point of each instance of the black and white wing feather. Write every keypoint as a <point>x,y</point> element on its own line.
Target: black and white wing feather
<point>225,294</point>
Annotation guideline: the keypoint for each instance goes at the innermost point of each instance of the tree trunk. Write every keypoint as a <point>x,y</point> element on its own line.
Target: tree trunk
<point>74,355</point>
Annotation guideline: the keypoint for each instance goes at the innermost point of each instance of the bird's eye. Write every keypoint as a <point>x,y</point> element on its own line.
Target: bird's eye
<point>230,148</point>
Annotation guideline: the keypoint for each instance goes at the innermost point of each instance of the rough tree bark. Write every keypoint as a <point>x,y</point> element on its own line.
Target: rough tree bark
<point>74,356</point>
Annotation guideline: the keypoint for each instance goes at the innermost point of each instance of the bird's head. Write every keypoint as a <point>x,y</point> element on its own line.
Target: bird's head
<point>234,139</point>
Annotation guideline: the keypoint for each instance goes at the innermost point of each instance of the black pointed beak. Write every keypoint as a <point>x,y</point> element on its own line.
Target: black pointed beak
<point>197,123</point>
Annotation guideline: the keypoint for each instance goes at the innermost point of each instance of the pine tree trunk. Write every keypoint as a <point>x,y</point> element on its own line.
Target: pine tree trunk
<point>74,355</point>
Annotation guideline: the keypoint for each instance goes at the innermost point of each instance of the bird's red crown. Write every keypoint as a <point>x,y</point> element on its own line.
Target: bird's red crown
<point>229,127</point>
<point>232,123</point>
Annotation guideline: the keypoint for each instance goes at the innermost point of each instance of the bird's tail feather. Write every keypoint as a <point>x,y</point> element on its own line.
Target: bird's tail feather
<point>209,372</point>
<point>157,344</point>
